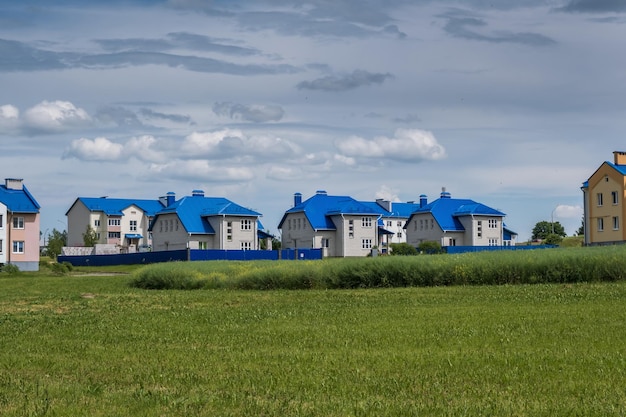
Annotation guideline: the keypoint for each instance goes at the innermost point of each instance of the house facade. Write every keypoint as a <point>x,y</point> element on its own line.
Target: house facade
<point>456,222</point>
<point>19,226</point>
<point>340,225</point>
<point>603,202</point>
<point>116,221</point>
<point>199,222</point>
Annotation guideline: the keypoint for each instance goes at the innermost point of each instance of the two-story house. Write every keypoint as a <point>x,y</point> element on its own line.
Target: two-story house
<point>199,222</point>
<point>603,202</point>
<point>19,226</point>
<point>394,215</point>
<point>122,222</point>
<point>340,225</point>
<point>456,222</point>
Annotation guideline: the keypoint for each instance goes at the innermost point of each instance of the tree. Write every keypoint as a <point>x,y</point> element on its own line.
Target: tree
<point>56,241</point>
<point>544,228</point>
<point>581,229</point>
<point>553,239</point>
<point>430,247</point>
<point>90,238</point>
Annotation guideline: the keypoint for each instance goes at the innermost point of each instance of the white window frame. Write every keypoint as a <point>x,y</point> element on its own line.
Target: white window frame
<point>115,221</point>
<point>1,221</point>
<point>616,223</point>
<point>18,246</point>
<point>493,223</point>
<point>246,245</point>
<point>18,222</point>
<point>114,235</point>
<point>366,222</point>
<point>599,199</point>
<point>615,197</point>
<point>600,224</point>
<point>96,223</point>
<point>133,225</point>
<point>366,243</point>
<point>246,224</point>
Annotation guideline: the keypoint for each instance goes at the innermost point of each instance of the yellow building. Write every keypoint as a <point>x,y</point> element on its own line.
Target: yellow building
<point>603,195</point>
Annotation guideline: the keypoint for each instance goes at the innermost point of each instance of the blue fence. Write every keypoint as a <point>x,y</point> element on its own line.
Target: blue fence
<point>191,255</point>
<point>465,249</point>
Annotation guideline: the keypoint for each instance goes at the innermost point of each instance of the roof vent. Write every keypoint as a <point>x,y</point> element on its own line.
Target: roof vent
<point>321,192</point>
<point>197,193</point>
<point>444,193</point>
<point>297,199</point>
<point>13,184</point>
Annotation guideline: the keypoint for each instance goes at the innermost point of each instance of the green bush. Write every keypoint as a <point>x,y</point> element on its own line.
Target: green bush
<point>167,277</point>
<point>430,247</point>
<point>58,269</point>
<point>10,269</point>
<point>403,249</point>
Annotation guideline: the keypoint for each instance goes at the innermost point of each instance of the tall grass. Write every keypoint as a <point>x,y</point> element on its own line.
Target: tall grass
<point>485,268</point>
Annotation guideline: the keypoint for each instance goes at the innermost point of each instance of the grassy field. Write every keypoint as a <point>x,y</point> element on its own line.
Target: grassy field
<point>94,346</point>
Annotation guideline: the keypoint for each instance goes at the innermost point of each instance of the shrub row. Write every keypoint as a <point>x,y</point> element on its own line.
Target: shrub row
<point>484,268</point>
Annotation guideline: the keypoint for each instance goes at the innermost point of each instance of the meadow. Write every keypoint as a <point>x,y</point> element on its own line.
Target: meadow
<point>90,344</point>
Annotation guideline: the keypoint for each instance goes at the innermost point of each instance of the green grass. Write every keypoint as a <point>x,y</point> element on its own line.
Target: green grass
<point>94,346</point>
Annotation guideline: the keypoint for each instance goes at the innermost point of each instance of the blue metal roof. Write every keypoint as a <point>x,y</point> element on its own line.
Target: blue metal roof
<point>398,209</point>
<point>193,212</point>
<point>18,201</point>
<point>319,208</point>
<point>619,168</point>
<point>115,206</point>
<point>447,211</point>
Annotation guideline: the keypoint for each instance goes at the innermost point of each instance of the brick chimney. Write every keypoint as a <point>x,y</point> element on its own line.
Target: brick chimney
<point>14,183</point>
<point>619,158</point>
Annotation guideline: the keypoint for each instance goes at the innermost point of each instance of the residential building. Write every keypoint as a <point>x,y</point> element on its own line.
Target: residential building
<point>199,222</point>
<point>394,215</point>
<point>122,222</point>
<point>456,222</point>
<point>340,225</point>
<point>603,202</point>
<point>19,226</point>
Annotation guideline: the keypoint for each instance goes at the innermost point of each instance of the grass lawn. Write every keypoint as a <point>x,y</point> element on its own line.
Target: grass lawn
<point>93,346</point>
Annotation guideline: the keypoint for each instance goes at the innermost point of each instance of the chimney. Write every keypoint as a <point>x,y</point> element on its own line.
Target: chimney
<point>197,193</point>
<point>321,192</point>
<point>14,183</point>
<point>444,193</point>
<point>619,158</point>
<point>423,200</point>
<point>297,199</point>
<point>170,198</point>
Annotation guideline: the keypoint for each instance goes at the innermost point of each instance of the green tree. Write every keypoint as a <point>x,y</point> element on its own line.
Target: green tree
<point>553,239</point>
<point>543,228</point>
<point>581,229</point>
<point>56,241</point>
<point>90,238</point>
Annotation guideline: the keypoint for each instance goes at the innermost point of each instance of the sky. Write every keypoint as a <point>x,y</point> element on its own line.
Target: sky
<point>513,104</point>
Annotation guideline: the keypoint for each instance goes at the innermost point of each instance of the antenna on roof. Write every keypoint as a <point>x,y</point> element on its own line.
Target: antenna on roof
<point>443,189</point>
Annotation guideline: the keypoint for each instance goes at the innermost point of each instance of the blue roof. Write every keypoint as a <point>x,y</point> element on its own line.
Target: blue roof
<point>447,211</point>
<point>398,209</point>
<point>193,212</point>
<point>18,201</point>
<point>319,208</point>
<point>619,168</point>
<point>115,206</point>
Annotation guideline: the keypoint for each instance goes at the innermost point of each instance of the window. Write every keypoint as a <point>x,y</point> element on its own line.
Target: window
<point>493,223</point>
<point>96,223</point>
<point>18,246</point>
<point>421,224</point>
<point>350,229</point>
<point>229,231</point>
<point>479,228</point>
<point>325,242</point>
<point>1,221</point>
<point>114,235</point>
<point>399,223</point>
<point>452,242</point>
<point>600,224</point>
<point>389,223</point>
<point>493,242</point>
<point>366,244</point>
<point>366,222</point>
<point>615,223</point>
<point>1,245</point>
<point>599,196</point>
<point>399,234</point>
<point>97,235</point>
<point>246,224</point>
<point>114,222</point>
<point>432,223</point>
<point>246,245</point>
<point>202,245</point>
<point>615,197</point>
<point>18,223</point>
<point>133,225</point>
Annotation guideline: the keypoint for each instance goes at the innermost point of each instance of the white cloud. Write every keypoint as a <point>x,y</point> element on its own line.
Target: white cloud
<point>406,145</point>
<point>202,171</point>
<point>99,149</point>
<point>568,212</point>
<point>226,143</point>
<point>142,148</point>
<point>9,117</point>
<point>387,193</point>
<point>55,116</point>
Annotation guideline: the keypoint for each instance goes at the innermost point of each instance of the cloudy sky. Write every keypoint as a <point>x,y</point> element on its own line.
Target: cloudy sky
<point>510,103</point>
